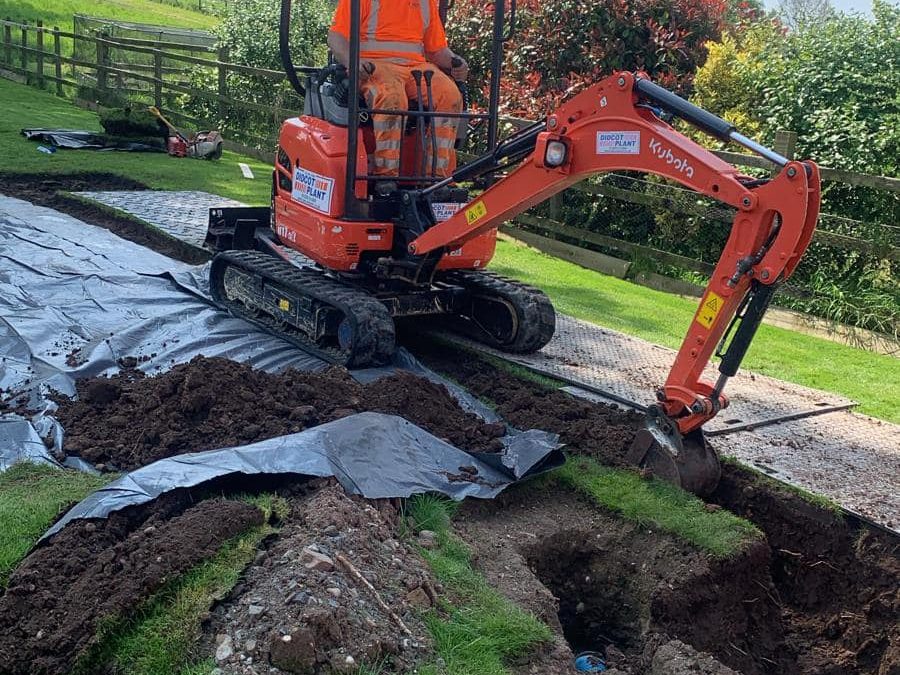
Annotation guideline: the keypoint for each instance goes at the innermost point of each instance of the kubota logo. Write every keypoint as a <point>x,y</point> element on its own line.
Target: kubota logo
<point>666,154</point>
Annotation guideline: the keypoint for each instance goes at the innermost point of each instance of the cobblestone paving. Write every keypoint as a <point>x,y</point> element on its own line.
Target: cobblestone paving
<point>850,458</point>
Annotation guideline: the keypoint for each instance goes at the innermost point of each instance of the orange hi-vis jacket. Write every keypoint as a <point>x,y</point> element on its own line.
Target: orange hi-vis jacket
<point>401,31</point>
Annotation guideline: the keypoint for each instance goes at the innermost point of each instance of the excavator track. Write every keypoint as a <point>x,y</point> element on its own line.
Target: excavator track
<point>503,313</point>
<point>330,319</point>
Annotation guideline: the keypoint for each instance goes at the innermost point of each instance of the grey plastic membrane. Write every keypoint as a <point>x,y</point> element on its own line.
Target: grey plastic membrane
<point>71,139</point>
<point>75,299</point>
<point>370,454</point>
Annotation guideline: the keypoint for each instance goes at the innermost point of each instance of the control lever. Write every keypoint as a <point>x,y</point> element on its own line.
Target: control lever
<point>432,122</point>
<point>462,126</point>
<point>420,120</point>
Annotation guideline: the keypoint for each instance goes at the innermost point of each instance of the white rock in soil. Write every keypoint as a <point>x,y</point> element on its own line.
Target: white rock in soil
<point>427,539</point>
<point>225,650</point>
<point>314,560</point>
<point>255,610</point>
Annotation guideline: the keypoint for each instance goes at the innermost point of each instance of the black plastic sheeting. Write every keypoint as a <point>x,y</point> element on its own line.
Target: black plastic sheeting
<point>370,454</point>
<point>66,285</point>
<point>71,139</point>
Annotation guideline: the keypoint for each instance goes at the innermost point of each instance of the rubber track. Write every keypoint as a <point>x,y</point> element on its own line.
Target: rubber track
<point>536,316</point>
<point>373,326</point>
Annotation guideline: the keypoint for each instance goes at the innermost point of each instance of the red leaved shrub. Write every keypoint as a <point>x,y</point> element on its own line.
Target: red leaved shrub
<point>560,47</point>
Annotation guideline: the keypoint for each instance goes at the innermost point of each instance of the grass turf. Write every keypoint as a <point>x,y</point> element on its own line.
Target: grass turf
<point>663,318</point>
<point>24,106</point>
<point>478,631</point>
<point>660,505</point>
<point>60,12</point>
<point>158,640</point>
<point>32,496</point>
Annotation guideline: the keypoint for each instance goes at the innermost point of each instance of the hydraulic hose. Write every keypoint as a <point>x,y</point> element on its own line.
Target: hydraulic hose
<point>284,48</point>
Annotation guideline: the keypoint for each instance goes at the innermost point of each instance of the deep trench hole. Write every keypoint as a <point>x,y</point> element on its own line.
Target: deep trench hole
<point>598,605</point>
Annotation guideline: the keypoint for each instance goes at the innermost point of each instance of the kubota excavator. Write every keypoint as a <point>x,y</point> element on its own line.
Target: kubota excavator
<point>422,249</point>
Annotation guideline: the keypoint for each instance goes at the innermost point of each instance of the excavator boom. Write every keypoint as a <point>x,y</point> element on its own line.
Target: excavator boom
<point>615,125</point>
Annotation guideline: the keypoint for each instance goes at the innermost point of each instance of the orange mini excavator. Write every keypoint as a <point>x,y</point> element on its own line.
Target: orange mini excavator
<point>422,249</point>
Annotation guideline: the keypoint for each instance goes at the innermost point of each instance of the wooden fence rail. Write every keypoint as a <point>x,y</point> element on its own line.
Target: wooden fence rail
<point>34,57</point>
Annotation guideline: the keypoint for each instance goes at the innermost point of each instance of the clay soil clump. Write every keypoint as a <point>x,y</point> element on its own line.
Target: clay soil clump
<point>128,420</point>
<point>587,428</point>
<point>95,571</point>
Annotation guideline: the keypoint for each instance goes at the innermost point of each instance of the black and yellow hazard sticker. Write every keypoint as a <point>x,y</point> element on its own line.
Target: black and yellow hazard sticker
<point>709,309</point>
<point>475,212</point>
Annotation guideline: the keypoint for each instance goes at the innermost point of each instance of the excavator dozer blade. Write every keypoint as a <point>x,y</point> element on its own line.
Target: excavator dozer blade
<point>687,461</point>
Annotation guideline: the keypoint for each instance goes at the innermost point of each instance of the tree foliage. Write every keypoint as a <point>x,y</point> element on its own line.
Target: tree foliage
<point>836,83</point>
<point>560,47</point>
<point>249,30</point>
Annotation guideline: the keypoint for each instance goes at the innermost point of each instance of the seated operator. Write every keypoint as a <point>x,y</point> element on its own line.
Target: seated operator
<point>397,37</point>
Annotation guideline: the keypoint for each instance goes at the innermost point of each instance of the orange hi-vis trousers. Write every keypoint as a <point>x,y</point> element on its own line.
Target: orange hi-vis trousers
<point>391,87</point>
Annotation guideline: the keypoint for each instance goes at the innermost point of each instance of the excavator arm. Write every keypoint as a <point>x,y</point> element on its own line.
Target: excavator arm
<point>612,126</point>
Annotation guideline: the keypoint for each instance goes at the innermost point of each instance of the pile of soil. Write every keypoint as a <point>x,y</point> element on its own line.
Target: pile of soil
<point>49,190</point>
<point>129,420</point>
<point>95,571</point>
<point>587,428</point>
<point>300,608</point>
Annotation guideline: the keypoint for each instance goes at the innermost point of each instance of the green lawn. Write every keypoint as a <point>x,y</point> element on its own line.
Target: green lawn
<point>24,106</point>
<point>31,497</point>
<point>479,631</point>
<point>59,12</point>
<point>663,318</point>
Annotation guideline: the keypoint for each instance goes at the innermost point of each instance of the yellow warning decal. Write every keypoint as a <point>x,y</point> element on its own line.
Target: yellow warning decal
<point>476,212</point>
<point>709,309</point>
<point>284,305</point>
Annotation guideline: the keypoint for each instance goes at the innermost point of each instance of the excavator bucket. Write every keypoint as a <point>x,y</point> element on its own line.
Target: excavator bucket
<point>687,461</point>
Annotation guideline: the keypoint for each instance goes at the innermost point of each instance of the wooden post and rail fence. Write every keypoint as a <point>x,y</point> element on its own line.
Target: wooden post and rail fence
<point>37,54</point>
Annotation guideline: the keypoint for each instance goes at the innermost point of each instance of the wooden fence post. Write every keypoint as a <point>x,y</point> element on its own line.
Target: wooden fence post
<point>223,83</point>
<point>39,44</point>
<point>57,61</point>
<point>785,143</point>
<point>23,54</point>
<point>102,63</point>
<point>7,43</point>
<point>157,76</point>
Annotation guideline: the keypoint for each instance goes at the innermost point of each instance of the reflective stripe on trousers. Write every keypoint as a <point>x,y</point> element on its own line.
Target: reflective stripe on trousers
<point>391,87</point>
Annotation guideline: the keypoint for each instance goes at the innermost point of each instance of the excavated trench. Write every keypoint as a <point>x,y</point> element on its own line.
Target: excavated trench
<point>819,596</point>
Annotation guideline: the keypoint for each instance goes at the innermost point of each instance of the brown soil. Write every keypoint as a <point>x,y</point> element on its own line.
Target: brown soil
<point>92,572</point>
<point>587,428</point>
<point>617,587</point>
<point>129,420</point>
<point>47,190</point>
<point>333,622</point>
<point>836,579</point>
